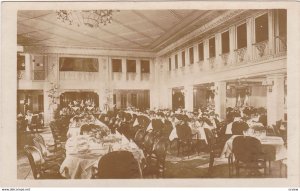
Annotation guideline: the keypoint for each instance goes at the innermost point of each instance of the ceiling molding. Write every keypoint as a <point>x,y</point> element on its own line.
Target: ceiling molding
<point>220,20</point>
<point>86,51</point>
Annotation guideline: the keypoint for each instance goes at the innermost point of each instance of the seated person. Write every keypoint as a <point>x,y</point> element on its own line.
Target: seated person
<point>229,125</point>
<point>238,127</point>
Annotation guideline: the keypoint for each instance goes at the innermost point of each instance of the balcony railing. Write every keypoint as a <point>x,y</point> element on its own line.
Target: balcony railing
<point>225,59</point>
<point>117,76</point>
<point>145,76</point>
<point>241,55</point>
<point>261,49</point>
<point>211,63</point>
<point>86,76</point>
<point>200,65</point>
<point>39,75</point>
<point>131,76</point>
<point>281,43</point>
<point>21,74</point>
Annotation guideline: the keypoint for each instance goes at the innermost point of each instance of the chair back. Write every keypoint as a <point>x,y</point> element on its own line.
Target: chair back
<point>42,148</point>
<point>149,140</point>
<point>211,139</point>
<point>118,165</point>
<point>167,129</point>
<point>246,149</point>
<point>39,138</point>
<point>184,132</point>
<point>35,160</point>
<point>160,148</point>
<point>157,125</point>
<point>139,136</point>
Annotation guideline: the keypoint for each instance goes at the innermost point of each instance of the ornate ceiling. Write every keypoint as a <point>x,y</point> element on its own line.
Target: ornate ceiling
<point>144,30</point>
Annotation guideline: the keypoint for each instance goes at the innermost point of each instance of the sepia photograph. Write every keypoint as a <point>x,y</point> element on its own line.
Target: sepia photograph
<point>152,93</point>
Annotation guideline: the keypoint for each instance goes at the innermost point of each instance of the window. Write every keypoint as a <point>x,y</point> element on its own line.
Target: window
<point>241,36</point>
<point>212,47</point>
<point>145,66</point>
<point>200,51</point>
<point>131,66</point>
<point>39,67</point>
<point>176,61</point>
<point>183,58</point>
<point>20,62</point>
<point>78,64</point>
<point>282,20</point>
<point>261,28</point>
<point>225,42</point>
<point>170,64</point>
<point>116,65</point>
<point>134,100</point>
<point>191,54</point>
<point>114,99</point>
<point>123,100</point>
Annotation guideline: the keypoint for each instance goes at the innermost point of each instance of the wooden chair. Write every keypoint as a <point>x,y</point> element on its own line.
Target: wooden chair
<point>248,154</point>
<point>117,165</point>
<point>155,163</point>
<point>185,138</point>
<point>215,149</point>
<point>41,169</point>
<point>58,157</point>
<point>139,137</point>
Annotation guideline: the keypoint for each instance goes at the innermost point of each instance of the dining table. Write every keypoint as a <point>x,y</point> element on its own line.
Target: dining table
<point>83,152</point>
<point>274,141</point>
<point>74,126</point>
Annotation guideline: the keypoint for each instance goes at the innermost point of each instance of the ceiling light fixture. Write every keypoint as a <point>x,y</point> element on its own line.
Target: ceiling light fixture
<point>90,18</point>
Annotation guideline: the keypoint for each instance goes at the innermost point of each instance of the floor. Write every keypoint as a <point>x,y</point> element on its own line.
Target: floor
<point>194,166</point>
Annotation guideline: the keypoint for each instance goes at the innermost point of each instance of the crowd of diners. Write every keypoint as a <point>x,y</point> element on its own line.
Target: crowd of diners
<point>189,131</point>
<point>163,121</point>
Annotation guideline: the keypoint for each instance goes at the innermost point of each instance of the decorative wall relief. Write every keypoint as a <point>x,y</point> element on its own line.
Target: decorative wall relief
<point>261,46</point>
<point>240,54</point>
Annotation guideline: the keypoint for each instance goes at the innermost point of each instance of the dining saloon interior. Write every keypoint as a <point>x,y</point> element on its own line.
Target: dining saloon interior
<point>146,94</point>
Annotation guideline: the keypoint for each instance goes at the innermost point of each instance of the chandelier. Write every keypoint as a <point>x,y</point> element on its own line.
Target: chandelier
<point>90,18</point>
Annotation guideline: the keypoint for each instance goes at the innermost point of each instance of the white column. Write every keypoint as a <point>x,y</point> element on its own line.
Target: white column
<point>28,67</point>
<point>250,38</point>
<point>271,28</point>
<point>275,98</point>
<point>232,44</point>
<point>220,99</point>
<point>206,54</point>
<point>218,43</point>
<point>188,98</point>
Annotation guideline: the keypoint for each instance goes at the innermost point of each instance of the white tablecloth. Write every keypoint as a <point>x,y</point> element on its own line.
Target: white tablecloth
<point>277,142</point>
<point>80,165</point>
<point>74,128</point>
<point>196,129</point>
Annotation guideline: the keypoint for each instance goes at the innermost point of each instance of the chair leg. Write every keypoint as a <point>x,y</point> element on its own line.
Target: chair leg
<point>178,147</point>
<point>237,169</point>
<point>211,163</point>
<point>269,167</point>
